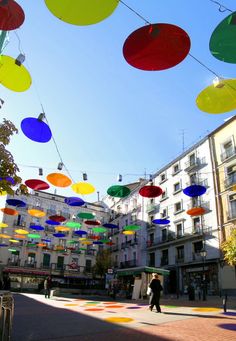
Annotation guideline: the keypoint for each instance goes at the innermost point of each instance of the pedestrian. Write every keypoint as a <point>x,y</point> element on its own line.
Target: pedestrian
<point>47,286</point>
<point>114,291</point>
<point>156,288</point>
<point>6,282</point>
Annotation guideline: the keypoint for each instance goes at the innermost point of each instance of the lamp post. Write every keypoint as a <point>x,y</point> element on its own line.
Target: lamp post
<point>203,253</point>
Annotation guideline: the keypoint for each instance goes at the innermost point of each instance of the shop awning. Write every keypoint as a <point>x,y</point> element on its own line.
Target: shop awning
<point>139,270</point>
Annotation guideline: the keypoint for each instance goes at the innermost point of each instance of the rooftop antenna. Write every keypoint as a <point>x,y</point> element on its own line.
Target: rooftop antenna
<point>183,139</point>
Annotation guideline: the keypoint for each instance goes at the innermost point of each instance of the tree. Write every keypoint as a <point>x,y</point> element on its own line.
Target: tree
<point>8,167</point>
<point>229,248</point>
<point>103,262</point>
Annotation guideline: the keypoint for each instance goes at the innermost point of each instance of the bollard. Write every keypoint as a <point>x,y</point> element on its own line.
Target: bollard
<point>6,315</point>
<point>225,303</point>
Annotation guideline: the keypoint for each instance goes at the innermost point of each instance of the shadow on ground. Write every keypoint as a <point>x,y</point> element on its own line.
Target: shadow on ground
<point>36,321</point>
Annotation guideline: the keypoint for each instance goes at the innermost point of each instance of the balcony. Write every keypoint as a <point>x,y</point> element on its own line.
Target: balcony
<point>134,242</point>
<point>152,208</point>
<point>176,238</point>
<point>194,164</point>
<point>13,262</point>
<point>30,264</point>
<point>200,182</point>
<point>199,203</point>
<point>150,226</point>
<point>229,152</point>
<point>196,257</point>
<point>179,259</point>
<point>230,180</point>
<point>128,264</point>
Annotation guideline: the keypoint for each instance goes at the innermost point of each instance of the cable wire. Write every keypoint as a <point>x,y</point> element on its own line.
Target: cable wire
<point>222,8</point>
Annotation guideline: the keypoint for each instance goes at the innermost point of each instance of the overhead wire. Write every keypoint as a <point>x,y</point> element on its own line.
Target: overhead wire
<point>222,8</point>
<point>146,22</point>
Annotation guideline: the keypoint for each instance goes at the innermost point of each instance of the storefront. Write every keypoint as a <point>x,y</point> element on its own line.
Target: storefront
<point>195,275</point>
<point>25,279</point>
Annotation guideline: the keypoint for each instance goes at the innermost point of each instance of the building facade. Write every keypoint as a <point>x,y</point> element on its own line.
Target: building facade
<point>223,147</point>
<point>32,248</point>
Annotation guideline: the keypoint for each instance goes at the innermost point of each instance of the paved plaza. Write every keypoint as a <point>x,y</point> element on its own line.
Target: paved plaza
<point>78,318</point>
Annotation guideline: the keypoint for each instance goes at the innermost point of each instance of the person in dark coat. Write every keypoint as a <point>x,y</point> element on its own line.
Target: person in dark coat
<point>47,287</point>
<point>156,288</point>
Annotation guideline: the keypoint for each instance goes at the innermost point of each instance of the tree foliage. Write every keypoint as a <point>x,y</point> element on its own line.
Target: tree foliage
<point>103,262</point>
<point>229,248</point>
<point>8,167</point>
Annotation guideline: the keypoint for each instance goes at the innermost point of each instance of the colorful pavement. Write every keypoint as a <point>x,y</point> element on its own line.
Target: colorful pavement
<point>70,319</point>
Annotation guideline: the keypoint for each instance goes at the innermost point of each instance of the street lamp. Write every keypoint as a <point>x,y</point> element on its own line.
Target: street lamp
<point>203,253</point>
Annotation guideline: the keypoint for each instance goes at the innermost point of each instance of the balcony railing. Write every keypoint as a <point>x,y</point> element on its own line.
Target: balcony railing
<point>228,153</point>
<point>61,268</point>
<point>128,264</point>
<point>195,163</point>
<point>188,233</point>
<point>13,262</point>
<point>200,182</point>
<point>179,259</point>
<point>153,208</point>
<point>199,203</point>
<point>197,256</point>
<point>30,264</point>
<point>230,180</point>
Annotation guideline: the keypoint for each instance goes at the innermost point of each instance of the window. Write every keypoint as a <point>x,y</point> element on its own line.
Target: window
<point>46,260</point>
<point>176,168</point>
<point>62,242</point>
<point>196,225</point>
<point>164,213</point>
<point>134,255</point>
<point>135,203</point>
<point>180,252</point>
<point>192,159</point>
<point>88,265</point>
<point>177,187</point>
<point>193,179</point>
<point>152,259</point>
<point>198,246</point>
<point>21,220</point>
<point>195,202</point>
<point>232,206</point>
<point>179,230</point>
<point>151,238</point>
<point>163,177</point>
<point>178,207</point>
<point>230,175</point>
<point>163,235</point>
<point>164,195</point>
<point>227,149</point>
<point>165,257</point>
<point>31,258</point>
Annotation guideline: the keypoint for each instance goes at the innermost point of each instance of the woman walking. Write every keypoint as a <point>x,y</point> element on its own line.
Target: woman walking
<point>156,288</point>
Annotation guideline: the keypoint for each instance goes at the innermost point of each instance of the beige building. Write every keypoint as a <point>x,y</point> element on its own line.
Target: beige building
<point>32,247</point>
<point>223,149</point>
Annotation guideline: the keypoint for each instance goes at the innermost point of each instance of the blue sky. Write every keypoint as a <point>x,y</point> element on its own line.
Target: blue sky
<point>106,116</point>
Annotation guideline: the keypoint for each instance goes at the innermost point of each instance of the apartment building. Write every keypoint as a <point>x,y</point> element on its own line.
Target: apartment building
<point>223,149</point>
<point>186,245</point>
<point>34,247</point>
